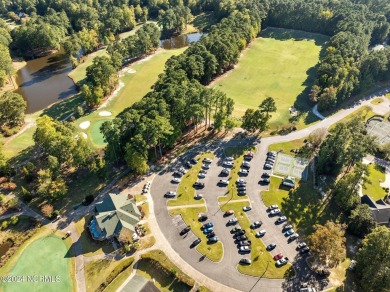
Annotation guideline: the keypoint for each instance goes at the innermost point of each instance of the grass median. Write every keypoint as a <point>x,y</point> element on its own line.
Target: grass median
<point>214,251</point>
<point>186,191</point>
<point>262,262</point>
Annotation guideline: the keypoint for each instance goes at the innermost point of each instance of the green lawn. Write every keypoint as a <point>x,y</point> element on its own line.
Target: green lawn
<point>190,216</point>
<point>79,72</point>
<point>364,112</point>
<point>376,176</point>
<point>286,147</point>
<point>303,206</point>
<point>238,154</point>
<point>91,247</point>
<point>280,64</point>
<point>96,136</point>
<point>186,191</point>
<point>155,265</point>
<point>49,256</point>
<point>262,262</point>
<point>377,100</point>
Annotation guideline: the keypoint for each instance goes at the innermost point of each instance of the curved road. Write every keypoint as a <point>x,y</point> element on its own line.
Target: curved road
<point>225,271</point>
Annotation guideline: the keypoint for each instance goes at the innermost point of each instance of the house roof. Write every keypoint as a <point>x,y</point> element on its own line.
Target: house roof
<point>116,212</point>
<point>380,209</point>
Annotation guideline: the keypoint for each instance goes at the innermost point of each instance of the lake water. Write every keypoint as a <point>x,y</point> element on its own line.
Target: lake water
<point>180,41</point>
<point>44,81</point>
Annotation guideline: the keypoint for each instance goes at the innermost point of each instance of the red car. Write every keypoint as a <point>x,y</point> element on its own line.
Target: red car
<point>278,256</point>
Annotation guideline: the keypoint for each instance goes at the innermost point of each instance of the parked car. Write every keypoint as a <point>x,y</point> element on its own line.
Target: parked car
<point>244,242</point>
<point>196,242</point>
<point>237,229</point>
<point>271,158</point>
<point>245,249</point>
<point>198,185</point>
<point>243,171</point>
<point>212,234</point>
<point>282,261</point>
<point>185,230</point>
<point>301,245</point>
<point>228,163</point>
<point>229,158</point>
<point>271,153</point>
<point>281,219</point>
<point>241,181</point>
<point>352,265</point>
<point>275,212</point>
<point>208,225</point>
<point>239,232</point>
<point>241,188</point>
<point>242,193</point>
<point>323,272</point>
<point>207,160</point>
<point>194,161</point>
<point>278,256</point>
<point>170,194</point>
<point>293,237</point>
<point>289,232</point>
<point>260,233</point>
<point>198,196</point>
<point>246,208</point>
<point>182,170</point>
<point>213,239</point>
<point>266,174</point>
<point>306,249</point>
<point>208,230</point>
<point>267,166</point>
<point>203,171</point>
<point>201,175</point>
<point>202,217</point>
<point>249,154</point>
<point>265,181</point>
<point>287,227</point>
<point>232,221</point>
<point>270,162</point>
<point>241,238</point>
<point>177,173</point>
<point>225,171</point>
<point>229,212</point>
<point>256,224</point>
<point>246,164</point>
<point>188,164</point>
<point>176,180</point>
<point>206,166</point>
<point>271,246</point>
<point>223,182</point>
<point>273,207</point>
<point>245,261</point>
<point>241,184</point>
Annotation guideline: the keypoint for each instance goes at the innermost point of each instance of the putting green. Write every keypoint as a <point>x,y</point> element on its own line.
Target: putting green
<point>46,256</point>
<point>95,134</point>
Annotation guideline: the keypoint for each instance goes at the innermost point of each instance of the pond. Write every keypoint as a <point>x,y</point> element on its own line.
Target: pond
<point>180,41</point>
<point>44,81</point>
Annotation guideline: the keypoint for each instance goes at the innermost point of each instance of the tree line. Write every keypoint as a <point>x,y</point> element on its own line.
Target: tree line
<point>346,66</point>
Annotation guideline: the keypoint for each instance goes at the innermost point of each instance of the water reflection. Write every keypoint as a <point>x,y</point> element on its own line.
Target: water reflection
<point>180,41</point>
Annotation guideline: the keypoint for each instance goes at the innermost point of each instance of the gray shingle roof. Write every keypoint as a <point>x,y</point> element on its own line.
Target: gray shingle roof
<point>380,210</point>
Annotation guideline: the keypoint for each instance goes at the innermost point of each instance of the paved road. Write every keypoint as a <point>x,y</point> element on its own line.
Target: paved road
<point>225,271</point>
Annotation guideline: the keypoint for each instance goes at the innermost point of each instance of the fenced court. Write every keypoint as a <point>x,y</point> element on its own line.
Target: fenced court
<point>287,165</point>
<point>379,128</point>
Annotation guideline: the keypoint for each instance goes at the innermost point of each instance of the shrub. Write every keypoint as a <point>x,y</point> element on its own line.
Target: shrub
<point>80,111</point>
<point>9,186</point>
<point>26,195</point>
<point>55,214</point>
<point>14,220</point>
<point>3,179</point>
<point>47,210</point>
<point>13,203</point>
<point>4,224</point>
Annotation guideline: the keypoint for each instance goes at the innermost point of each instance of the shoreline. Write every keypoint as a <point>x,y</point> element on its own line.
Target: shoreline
<point>10,83</point>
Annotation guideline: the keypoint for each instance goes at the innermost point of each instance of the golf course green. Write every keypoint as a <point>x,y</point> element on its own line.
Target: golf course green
<point>281,64</point>
<point>46,256</point>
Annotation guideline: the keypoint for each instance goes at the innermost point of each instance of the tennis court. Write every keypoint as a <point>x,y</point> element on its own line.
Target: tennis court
<point>379,128</point>
<point>287,165</point>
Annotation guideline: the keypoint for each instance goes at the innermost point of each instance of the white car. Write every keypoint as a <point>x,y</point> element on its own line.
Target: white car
<point>207,160</point>
<point>224,182</point>
<point>260,233</point>
<point>246,164</point>
<point>229,158</point>
<point>281,219</point>
<point>170,194</point>
<point>228,163</point>
<point>275,212</point>
<point>241,181</point>
<point>282,261</point>
<point>232,221</point>
<point>176,180</point>
<point>206,166</point>
<point>225,171</point>
<point>243,171</point>
<point>201,175</point>
<point>198,196</point>
<point>246,208</point>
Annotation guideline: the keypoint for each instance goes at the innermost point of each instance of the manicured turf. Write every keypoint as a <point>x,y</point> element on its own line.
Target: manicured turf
<point>364,112</point>
<point>286,147</point>
<point>376,176</point>
<point>185,191</point>
<point>79,72</point>
<point>280,64</point>
<point>303,206</point>
<point>190,216</point>
<point>96,136</point>
<point>262,261</point>
<point>238,154</point>
<point>377,100</point>
<point>46,256</point>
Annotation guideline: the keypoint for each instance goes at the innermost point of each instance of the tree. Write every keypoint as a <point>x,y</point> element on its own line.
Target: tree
<point>136,160</point>
<point>12,108</point>
<point>373,261</point>
<point>5,63</point>
<point>317,137</point>
<point>3,162</point>
<point>254,120</point>
<point>268,106</point>
<point>125,235</point>
<point>328,243</point>
<point>361,221</point>
<point>47,210</point>
<point>385,149</point>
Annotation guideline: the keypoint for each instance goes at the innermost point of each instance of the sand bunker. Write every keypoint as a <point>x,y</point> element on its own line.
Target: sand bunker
<point>129,70</point>
<point>105,114</point>
<point>85,125</point>
<point>85,136</point>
